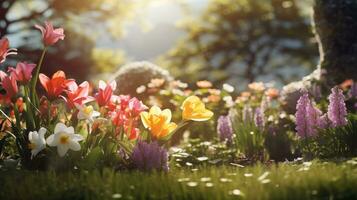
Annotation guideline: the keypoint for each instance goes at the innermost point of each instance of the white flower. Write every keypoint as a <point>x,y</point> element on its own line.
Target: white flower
<point>64,138</point>
<point>228,88</point>
<point>229,101</point>
<point>37,141</point>
<point>86,113</point>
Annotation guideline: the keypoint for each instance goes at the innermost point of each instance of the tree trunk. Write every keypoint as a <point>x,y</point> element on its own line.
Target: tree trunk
<point>335,25</point>
<point>336,31</point>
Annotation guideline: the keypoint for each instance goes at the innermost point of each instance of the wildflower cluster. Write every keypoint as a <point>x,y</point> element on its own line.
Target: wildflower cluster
<point>68,116</point>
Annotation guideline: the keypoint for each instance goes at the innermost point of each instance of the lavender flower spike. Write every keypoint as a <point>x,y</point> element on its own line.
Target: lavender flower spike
<point>337,108</point>
<point>150,156</point>
<point>259,118</point>
<point>224,129</point>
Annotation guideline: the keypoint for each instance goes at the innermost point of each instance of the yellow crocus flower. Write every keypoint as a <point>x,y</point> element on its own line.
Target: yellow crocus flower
<point>194,109</point>
<point>158,122</point>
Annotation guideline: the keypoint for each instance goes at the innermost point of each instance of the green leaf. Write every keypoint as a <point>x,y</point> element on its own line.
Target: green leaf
<point>93,158</point>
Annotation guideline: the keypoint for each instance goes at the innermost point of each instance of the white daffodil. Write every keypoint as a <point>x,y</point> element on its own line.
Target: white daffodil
<point>37,141</point>
<point>86,113</point>
<point>64,138</point>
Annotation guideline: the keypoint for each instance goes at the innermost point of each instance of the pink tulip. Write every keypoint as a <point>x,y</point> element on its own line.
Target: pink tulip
<point>4,49</point>
<point>23,72</point>
<point>9,84</point>
<point>77,94</point>
<point>50,35</point>
<point>135,107</point>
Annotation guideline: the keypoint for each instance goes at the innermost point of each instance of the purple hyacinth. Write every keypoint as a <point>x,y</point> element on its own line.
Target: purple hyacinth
<point>315,117</point>
<point>301,123</point>
<point>150,156</point>
<point>307,117</point>
<point>337,111</point>
<point>259,118</point>
<point>224,129</point>
<point>247,114</point>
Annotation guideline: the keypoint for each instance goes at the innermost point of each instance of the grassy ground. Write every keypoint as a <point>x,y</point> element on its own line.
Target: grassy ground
<point>316,180</point>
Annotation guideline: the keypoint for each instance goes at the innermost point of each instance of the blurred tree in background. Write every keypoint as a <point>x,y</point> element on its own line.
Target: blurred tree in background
<point>81,19</point>
<point>241,41</point>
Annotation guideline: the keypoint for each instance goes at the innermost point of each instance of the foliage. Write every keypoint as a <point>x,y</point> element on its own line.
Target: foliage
<point>107,59</point>
<point>241,40</point>
<point>197,153</point>
<point>78,17</point>
<point>335,142</point>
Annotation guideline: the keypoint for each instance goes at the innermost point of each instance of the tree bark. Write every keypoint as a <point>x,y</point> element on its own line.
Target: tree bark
<point>336,31</point>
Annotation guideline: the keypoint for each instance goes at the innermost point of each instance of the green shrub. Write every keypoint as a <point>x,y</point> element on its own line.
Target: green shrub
<point>334,142</point>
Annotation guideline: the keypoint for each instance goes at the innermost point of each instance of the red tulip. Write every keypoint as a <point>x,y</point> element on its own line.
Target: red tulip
<point>50,35</point>
<point>105,93</point>
<point>23,72</point>
<point>9,84</point>
<point>4,49</point>
<point>77,94</point>
<point>56,85</point>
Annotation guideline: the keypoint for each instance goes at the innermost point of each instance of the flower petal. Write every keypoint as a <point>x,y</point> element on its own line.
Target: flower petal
<point>42,132</point>
<point>62,150</point>
<point>60,127</point>
<point>144,119</point>
<point>51,140</point>
<point>167,114</point>
<point>75,146</point>
<point>77,137</point>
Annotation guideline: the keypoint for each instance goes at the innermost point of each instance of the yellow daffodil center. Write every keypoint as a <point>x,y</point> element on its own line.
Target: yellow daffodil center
<point>88,110</point>
<point>64,139</point>
<point>32,146</point>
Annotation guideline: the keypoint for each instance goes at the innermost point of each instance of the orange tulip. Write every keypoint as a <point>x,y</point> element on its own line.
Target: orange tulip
<point>56,85</point>
<point>158,122</point>
<point>194,109</point>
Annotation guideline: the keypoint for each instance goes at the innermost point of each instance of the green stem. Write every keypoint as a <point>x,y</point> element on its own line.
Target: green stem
<point>34,97</point>
<point>5,115</point>
<point>29,110</point>
<point>88,139</point>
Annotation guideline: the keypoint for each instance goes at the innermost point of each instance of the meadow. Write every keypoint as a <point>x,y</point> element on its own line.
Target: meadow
<point>308,180</point>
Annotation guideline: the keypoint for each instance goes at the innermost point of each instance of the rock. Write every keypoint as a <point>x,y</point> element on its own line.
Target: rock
<point>292,92</point>
<point>133,75</point>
